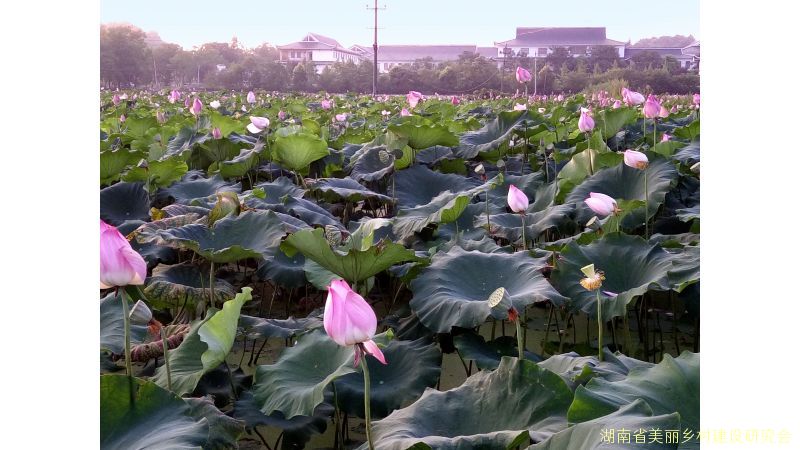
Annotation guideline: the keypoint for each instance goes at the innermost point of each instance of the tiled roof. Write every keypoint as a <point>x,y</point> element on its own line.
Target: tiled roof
<point>549,36</point>
<point>325,39</point>
<point>321,43</point>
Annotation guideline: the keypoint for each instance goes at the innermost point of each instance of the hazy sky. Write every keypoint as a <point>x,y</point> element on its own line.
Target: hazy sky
<point>190,23</point>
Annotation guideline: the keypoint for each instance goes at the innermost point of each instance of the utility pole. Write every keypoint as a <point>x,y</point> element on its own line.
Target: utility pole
<point>375,49</point>
<point>535,71</point>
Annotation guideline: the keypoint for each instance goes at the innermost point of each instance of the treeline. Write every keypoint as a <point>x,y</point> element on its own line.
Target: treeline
<point>126,60</point>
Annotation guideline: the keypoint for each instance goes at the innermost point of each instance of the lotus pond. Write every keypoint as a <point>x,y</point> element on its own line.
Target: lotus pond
<point>312,271</point>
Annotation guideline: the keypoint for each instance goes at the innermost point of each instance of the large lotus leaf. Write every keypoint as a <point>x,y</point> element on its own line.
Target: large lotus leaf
<point>419,185</point>
<point>204,347</point>
<point>153,254</point>
<point>260,328</point>
<point>489,411</point>
<point>347,189</point>
<point>689,154</point>
<point>487,355</point>
<point>184,141</point>
<point>283,270</point>
<point>184,286</point>
<point>112,331</point>
<point>673,385</point>
<point>632,423</point>
<point>138,414</point>
<point>623,182</point>
<point>576,369</point>
<point>609,121</point>
<point>686,268</point>
<point>178,209</point>
<point>252,234</point>
<point>224,431</point>
<point>413,366</point>
<point>192,187</point>
<point>464,226</point>
<point>424,136</point>
<point>310,212</point>
<point>296,383</point>
<point>374,164</point>
<point>454,289</point>
<point>124,201</point>
<point>433,155</point>
<point>297,151</point>
<point>585,164</point>
<point>114,162</point>
<point>509,225</point>
<point>159,173</point>
<point>492,136</point>
<point>444,208</point>
<point>353,265</point>
<point>239,165</point>
<point>631,266</point>
<point>148,232</point>
<point>297,431</point>
<point>529,184</point>
<point>688,214</point>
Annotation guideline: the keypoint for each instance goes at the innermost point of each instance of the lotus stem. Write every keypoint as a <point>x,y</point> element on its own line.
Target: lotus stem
<point>488,223</point>
<point>520,343</point>
<point>211,283</point>
<point>367,415</point>
<point>591,158</point>
<point>655,123</point>
<point>127,327</point>
<point>599,328</point>
<point>628,343</point>
<point>524,242</point>
<point>646,207</point>
<point>165,343</point>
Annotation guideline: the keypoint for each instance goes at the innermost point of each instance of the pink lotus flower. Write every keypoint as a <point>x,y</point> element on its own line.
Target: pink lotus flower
<point>404,112</point>
<point>637,160</point>
<point>257,124</point>
<point>413,97</point>
<point>666,137</point>
<point>349,320</point>
<point>115,100</point>
<point>216,133</point>
<point>651,107</point>
<point>663,112</point>
<point>454,100</point>
<point>197,107</point>
<point>632,97</point>
<point>560,98</point>
<point>585,123</point>
<point>326,104</point>
<point>341,117</point>
<point>523,76</point>
<point>251,97</point>
<point>520,107</point>
<point>616,104</point>
<point>174,96</point>
<point>281,115</point>
<point>385,113</point>
<point>120,265</point>
<point>187,103</point>
<point>122,118</point>
<point>601,204</point>
<point>696,99</point>
<point>517,200</point>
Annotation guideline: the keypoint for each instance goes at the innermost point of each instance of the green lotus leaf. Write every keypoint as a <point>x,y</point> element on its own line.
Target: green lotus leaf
<point>193,187</point>
<point>609,121</point>
<point>419,185</point>
<point>159,173</point>
<point>528,184</point>
<point>632,421</point>
<point>689,132</point>
<point>688,214</point>
<point>586,164</point>
<point>435,154</point>
<point>373,164</point>
<point>453,290</point>
<point>148,232</point>
<point>260,328</point>
<point>492,136</point>
<point>345,188</point>
<point>576,369</point>
<point>667,148</point>
<point>297,151</point>
<point>155,419</point>
<point>487,355</point>
<point>184,141</point>
<point>224,431</point>
<point>631,266</point>
<point>253,234</point>
<point>673,385</point>
<point>424,136</point>
<point>690,154</point>
<point>296,383</point>
<point>112,332</point>
<point>238,166</point>
<point>352,264</point>
<point>297,431</point>
<point>413,367</point>
<point>686,268</point>
<point>124,201</point>
<point>205,346</point>
<point>509,225</point>
<point>283,270</point>
<point>114,162</point>
<point>184,286</point>
<point>623,182</point>
<point>491,410</point>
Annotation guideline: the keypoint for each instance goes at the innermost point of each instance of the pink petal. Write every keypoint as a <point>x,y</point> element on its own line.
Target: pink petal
<point>372,348</point>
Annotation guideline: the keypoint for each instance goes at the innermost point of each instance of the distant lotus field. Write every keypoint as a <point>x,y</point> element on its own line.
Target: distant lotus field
<point>399,272</point>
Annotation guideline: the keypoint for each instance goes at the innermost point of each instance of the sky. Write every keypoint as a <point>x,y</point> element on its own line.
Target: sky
<point>192,23</point>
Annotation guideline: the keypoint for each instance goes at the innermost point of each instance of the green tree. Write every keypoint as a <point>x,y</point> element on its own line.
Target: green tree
<point>646,59</point>
<point>603,56</point>
<point>123,55</point>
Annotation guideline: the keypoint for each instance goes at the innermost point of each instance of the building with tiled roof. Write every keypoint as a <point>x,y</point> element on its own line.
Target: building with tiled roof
<point>321,50</point>
<point>538,42</point>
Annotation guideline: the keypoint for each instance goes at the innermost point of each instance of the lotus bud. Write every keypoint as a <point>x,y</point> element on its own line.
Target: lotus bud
<point>651,107</point>
<point>326,104</point>
<point>120,265</point>
<point>517,200</point>
<point>187,103</point>
<point>665,137</point>
<point>341,117</point>
<point>616,104</point>
<point>601,204</point>
<point>663,112</point>
<point>413,97</point>
<point>585,122</point>
<point>227,205</point>
<point>115,100</point>
<point>140,314</point>
<point>404,112</point>
<point>281,115</point>
<point>349,320</point>
<point>197,107</point>
<point>216,133</point>
<point>523,76</point>
<point>122,118</point>
<point>637,160</point>
<point>454,100</point>
<point>251,97</point>
<point>696,99</point>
